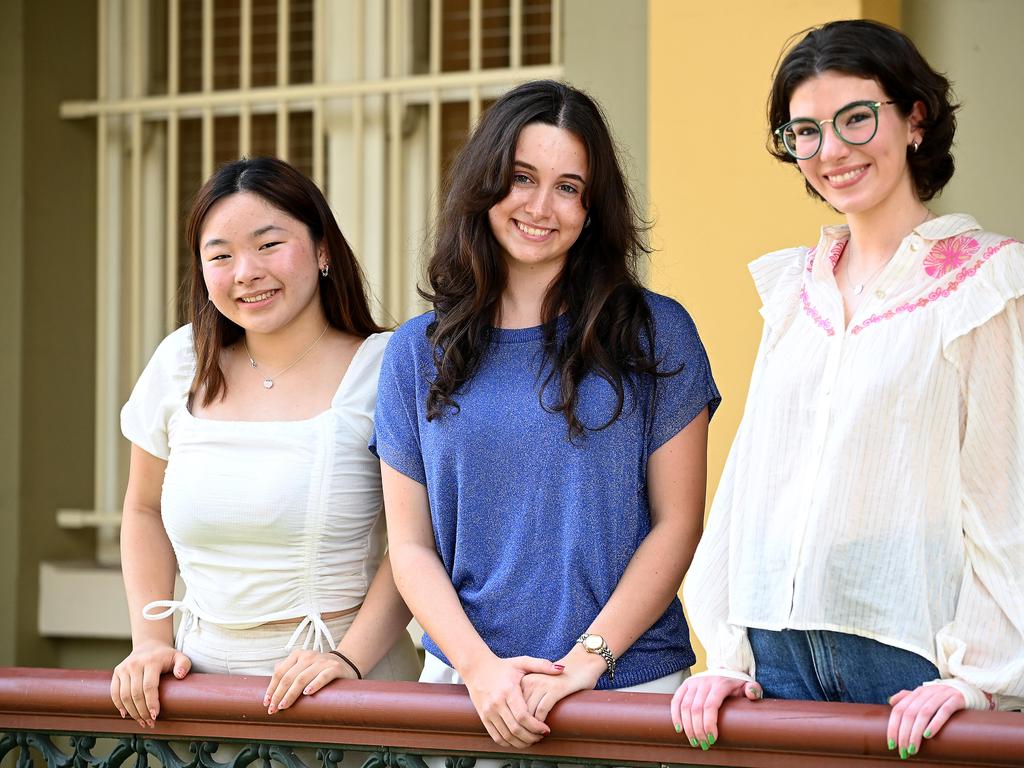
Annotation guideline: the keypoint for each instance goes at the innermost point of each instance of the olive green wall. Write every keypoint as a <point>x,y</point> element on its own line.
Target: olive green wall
<point>606,55</point>
<point>977,44</point>
<point>58,301</point>
<point>11,94</point>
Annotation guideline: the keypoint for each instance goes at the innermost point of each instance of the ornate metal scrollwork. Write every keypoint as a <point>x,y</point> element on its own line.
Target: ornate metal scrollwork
<point>202,754</point>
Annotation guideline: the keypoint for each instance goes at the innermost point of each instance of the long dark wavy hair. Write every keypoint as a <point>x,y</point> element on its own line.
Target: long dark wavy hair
<point>342,293</point>
<point>609,330</point>
<point>870,49</point>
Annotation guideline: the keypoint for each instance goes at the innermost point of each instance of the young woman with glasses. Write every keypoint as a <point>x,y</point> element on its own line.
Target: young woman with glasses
<point>866,543</point>
<point>543,430</point>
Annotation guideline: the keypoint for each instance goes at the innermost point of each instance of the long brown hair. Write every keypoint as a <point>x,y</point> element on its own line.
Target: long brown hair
<point>610,331</point>
<point>342,293</point>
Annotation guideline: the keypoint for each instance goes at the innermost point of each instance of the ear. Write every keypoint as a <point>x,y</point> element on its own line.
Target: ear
<point>321,257</point>
<point>917,115</point>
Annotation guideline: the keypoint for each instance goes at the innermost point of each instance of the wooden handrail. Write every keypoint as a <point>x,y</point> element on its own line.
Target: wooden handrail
<point>592,725</point>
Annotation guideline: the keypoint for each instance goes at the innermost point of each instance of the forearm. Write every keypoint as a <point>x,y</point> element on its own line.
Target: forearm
<point>148,566</point>
<point>381,620</point>
<point>648,585</point>
<point>428,591</point>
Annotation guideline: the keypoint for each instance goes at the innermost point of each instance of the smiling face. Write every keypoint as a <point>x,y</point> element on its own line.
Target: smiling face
<point>543,213</point>
<point>260,265</point>
<point>857,179</point>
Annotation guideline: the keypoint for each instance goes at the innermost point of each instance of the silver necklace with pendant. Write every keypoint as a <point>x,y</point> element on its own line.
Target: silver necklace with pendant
<point>268,382</point>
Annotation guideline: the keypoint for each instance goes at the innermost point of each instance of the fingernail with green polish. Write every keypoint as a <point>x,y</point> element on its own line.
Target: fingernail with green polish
<point>912,749</point>
<point>892,743</point>
<point>928,734</point>
<point>704,745</point>
<point>679,728</point>
<point>903,754</point>
<point>693,743</point>
<point>711,739</point>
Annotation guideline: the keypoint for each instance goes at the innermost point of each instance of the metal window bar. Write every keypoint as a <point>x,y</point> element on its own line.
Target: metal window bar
<point>138,285</point>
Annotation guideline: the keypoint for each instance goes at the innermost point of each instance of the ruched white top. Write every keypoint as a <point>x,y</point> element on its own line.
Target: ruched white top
<point>268,520</point>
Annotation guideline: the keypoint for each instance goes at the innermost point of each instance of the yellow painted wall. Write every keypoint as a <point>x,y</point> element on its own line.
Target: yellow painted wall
<point>717,198</point>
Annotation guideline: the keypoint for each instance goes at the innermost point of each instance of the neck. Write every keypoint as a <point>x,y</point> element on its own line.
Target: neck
<point>876,234</point>
<point>522,300</point>
<point>280,348</point>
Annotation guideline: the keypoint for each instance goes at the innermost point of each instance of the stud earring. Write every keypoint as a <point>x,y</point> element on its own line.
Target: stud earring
<point>324,269</point>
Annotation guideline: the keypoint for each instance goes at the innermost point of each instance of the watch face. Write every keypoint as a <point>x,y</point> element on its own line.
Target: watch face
<point>593,642</point>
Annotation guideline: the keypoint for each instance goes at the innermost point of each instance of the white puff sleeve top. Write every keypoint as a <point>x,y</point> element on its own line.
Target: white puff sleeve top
<point>268,520</point>
<point>876,483</point>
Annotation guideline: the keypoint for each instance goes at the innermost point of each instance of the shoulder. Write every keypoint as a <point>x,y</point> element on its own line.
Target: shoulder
<point>972,273</point>
<point>675,332</point>
<point>175,356</point>
<point>668,314</point>
<point>777,272</point>
<point>413,331</point>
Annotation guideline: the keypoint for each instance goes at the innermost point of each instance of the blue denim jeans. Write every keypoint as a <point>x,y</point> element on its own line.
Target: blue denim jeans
<point>819,665</point>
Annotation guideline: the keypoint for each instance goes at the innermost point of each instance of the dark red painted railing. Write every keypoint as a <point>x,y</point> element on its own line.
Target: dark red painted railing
<point>417,718</point>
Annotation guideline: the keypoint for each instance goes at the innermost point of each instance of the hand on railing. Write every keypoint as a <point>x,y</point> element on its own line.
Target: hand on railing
<point>696,703</point>
<point>135,684</point>
<point>302,673</point>
<point>920,713</point>
<point>495,690</point>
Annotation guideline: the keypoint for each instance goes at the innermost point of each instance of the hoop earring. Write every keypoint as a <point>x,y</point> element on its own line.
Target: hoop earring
<point>586,223</point>
<point>916,144</point>
<point>324,270</point>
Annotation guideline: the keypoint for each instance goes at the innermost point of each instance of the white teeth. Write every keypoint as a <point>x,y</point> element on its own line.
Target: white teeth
<point>846,176</point>
<point>254,299</point>
<point>532,231</point>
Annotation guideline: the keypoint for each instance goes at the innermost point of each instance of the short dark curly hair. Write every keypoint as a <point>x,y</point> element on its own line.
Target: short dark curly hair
<point>873,50</point>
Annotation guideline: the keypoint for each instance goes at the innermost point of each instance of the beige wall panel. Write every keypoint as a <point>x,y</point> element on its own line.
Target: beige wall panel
<point>718,199</point>
<point>11,148</point>
<point>977,44</point>
<point>59,283</point>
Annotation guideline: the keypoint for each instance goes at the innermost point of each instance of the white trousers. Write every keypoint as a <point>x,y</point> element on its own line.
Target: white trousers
<point>254,651</point>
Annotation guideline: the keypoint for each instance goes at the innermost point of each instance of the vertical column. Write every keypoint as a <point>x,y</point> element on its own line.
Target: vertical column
<point>207,124</point>
<point>245,77</point>
<point>171,223</point>
<point>283,50</point>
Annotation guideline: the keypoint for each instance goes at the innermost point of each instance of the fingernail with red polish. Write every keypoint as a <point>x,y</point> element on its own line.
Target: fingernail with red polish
<point>560,667</point>
<point>266,701</point>
<point>152,714</point>
<point>308,691</point>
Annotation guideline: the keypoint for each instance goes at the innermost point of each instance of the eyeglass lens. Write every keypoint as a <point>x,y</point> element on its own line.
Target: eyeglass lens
<point>855,124</point>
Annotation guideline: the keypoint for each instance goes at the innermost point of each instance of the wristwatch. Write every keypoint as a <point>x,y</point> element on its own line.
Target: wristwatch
<point>596,644</point>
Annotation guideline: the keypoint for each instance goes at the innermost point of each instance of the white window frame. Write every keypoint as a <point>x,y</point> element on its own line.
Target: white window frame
<point>358,101</point>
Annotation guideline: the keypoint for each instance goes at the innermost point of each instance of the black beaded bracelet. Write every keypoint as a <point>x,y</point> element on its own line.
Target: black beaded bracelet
<point>348,661</point>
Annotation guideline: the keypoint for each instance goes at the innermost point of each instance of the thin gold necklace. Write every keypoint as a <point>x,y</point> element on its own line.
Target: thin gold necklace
<point>268,382</point>
<point>858,288</point>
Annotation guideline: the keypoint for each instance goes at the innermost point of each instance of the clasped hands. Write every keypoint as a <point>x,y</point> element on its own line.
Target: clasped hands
<point>514,696</point>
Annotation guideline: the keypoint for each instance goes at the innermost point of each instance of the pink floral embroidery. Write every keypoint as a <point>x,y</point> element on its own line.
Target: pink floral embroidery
<point>833,254</point>
<point>938,293</point>
<point>821,322</point>
<point>947,255</point>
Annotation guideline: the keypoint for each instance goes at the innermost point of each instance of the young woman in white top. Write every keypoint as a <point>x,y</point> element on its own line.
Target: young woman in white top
<point>867,539</point>
<point>250,471</point>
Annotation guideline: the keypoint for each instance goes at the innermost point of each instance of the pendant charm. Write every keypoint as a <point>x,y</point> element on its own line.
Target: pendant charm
<point>858,289</point>
<point>268,383</point>
<point>252,362</point>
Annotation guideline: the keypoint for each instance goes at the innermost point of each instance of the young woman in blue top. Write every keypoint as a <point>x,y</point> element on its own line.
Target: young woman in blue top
<point>543,431</point>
